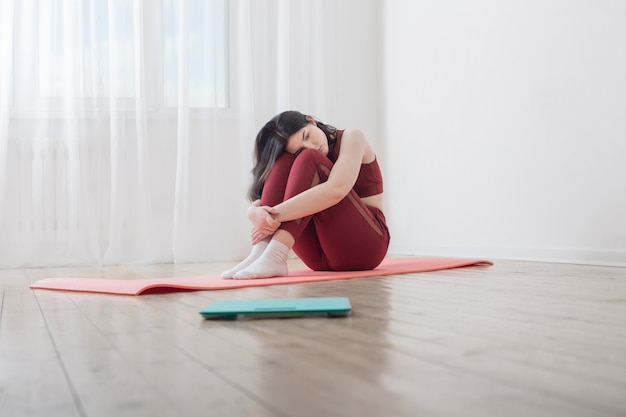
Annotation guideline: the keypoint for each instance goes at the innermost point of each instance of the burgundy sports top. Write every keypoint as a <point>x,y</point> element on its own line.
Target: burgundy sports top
<point>370,179</point>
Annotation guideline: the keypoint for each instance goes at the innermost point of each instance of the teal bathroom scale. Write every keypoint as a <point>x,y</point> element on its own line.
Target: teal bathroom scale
<point>278,308</point>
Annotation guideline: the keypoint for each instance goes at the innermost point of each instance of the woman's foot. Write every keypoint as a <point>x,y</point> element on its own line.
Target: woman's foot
<point>272,263</point>
<point>255,253</point>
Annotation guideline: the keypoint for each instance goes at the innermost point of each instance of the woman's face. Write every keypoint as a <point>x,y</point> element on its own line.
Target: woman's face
<point>309,137</point>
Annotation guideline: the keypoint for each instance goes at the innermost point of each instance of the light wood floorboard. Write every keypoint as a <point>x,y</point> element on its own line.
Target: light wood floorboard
<point>512,339</point>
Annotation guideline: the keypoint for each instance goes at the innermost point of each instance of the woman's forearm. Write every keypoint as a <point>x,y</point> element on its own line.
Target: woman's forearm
<point>309,202</point>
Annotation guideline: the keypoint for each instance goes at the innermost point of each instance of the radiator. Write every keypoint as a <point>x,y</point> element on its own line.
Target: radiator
<point>38,183</point>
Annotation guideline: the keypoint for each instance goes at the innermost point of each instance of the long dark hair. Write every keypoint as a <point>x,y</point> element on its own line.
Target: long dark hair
<point>271,142</point>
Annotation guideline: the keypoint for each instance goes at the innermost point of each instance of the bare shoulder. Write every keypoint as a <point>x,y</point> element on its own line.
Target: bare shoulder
<point>354,141</point>
<point>353,135</point>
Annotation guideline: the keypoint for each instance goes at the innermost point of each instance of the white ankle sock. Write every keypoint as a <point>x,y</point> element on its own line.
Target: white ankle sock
<point>273,263</point>
<point>255,253</point>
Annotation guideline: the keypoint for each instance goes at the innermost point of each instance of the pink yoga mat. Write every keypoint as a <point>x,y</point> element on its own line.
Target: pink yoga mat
<point>389,266</point>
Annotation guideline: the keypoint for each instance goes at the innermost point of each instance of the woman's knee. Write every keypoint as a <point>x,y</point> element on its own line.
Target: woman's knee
<point>285,160</point>
<point>311,153</point>
<point>312,157</point>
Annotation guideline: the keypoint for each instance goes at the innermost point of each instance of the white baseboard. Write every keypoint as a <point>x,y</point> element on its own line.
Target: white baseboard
<point>604,257</point>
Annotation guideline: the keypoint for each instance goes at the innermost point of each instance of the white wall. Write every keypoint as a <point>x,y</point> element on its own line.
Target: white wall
<point>354,42</point>
<point>505,128</point>
<point>335,76</point>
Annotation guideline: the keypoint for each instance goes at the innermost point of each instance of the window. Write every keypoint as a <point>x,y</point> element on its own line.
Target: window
<point>87,48</point>
<point>205,43</point>
<point>101,49</point>
<point>6,53</point>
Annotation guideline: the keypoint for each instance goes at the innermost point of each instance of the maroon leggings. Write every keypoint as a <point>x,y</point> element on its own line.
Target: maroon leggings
<point>347,236</point>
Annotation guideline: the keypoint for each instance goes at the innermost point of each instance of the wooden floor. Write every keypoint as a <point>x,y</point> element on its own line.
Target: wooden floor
<point>513,339</point>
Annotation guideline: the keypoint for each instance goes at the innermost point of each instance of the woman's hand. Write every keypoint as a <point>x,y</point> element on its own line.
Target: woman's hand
<point>263,222</point>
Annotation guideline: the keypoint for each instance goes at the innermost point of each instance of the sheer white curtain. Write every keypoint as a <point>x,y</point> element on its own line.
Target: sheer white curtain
<point>127,126</point>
